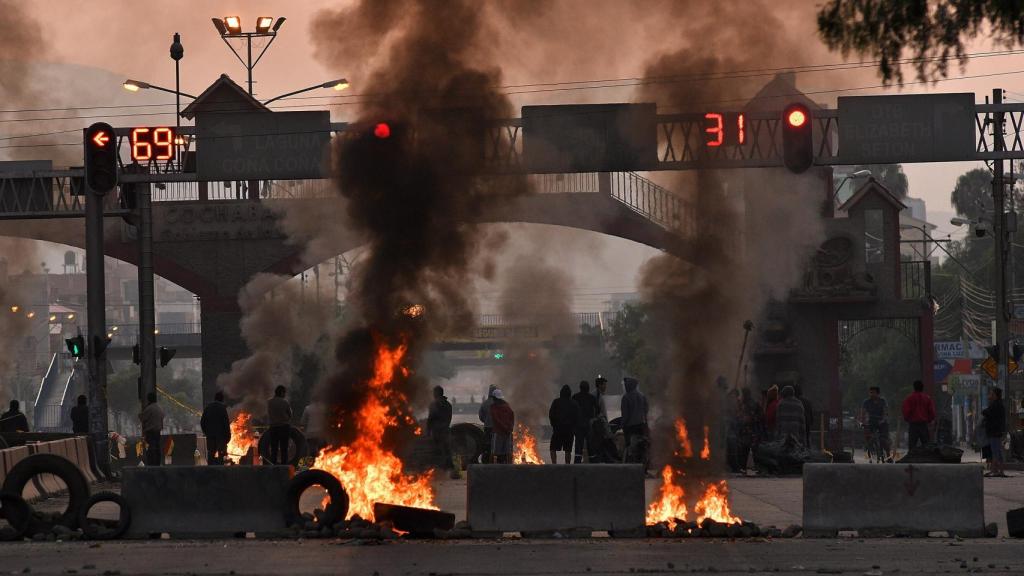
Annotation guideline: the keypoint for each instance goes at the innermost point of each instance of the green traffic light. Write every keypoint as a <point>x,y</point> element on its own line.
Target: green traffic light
<point>498,355</point>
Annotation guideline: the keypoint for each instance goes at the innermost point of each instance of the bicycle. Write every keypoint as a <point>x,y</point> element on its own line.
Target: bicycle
<point>875,445</point>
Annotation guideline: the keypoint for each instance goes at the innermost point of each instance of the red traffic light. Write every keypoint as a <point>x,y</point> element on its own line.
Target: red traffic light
<point>796,118</point>
<point>382,130</point>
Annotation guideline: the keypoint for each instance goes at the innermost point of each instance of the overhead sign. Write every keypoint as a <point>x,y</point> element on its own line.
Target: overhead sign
<point>597,137</point>
<point>941,370</point>
<point>262,145</point>
<point>906,128</point>
<point>953,350</point>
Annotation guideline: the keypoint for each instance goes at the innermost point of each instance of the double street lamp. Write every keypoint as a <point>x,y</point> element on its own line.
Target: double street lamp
<point>230,28</point>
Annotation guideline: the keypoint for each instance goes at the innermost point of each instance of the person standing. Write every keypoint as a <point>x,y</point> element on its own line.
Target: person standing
<point>152,420</point>
<point>279,416</point>
<point>798,392</point>
<point>587,412</point>
<point>439,422</point>
<point>485,418</point>
<point>789,417</point>
<point>634,420</point>
<point>13,420</point>
<point>601,391</point>
<point>748,428</point>
<point>771,406</point>
<point>874,417</point>
<point>216,427</point>
<point>995,430</point>
<point>919,413</point>
<point>503,421</point>
<point>80,416</point>
<point>564,415</point>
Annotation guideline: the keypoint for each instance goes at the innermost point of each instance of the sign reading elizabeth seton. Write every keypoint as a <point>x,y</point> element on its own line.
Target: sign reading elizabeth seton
<point>906,128</point>
<point>263,145</point>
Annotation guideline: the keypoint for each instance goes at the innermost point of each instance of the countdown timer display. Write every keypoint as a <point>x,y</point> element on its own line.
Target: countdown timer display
<point>725,129</point>
<point>152,144</point>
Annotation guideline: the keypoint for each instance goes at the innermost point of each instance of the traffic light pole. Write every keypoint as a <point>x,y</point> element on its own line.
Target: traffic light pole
<point>1002,242</point>
<point>96,300</point>
<point>147,320</point>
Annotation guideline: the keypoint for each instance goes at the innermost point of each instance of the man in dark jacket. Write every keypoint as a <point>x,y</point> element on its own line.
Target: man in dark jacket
<point>634,420</point>
<point>152,421</point>
<point>995,430</point>
<point>439,422</point>
<point>587,404</point>
<point>80,417</point>
<point>279,416</point>
<point>217,427</point>
<point>808,413</point>
<point>13,420</point>
<point>564,415</point>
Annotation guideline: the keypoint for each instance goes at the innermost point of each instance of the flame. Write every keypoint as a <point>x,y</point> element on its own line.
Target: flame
<point>525,451</point>
<point>685,448</point>
<point>243,437</point>
<point>670,505</point>
<point>715,505</point>
<point>369,472</point>
<point>705,452</point>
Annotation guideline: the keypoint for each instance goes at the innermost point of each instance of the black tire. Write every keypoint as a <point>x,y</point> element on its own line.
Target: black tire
<point>335,512</point>
<point>30,466</point>
<point>18,514</point>
<point>105,530</point>
<point>295,436</point>
<point>469,441</point>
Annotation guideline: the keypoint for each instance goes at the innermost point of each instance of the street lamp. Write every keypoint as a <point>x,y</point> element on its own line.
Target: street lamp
<point>851,176</point>
<point>136,85</point>
<point>230,28</point>
<point>338,85</point>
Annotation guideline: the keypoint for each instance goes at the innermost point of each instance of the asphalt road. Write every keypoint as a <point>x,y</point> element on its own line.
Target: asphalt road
<point>536,557</point>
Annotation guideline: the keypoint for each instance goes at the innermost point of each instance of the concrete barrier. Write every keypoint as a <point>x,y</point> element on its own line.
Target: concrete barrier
<point>598,497</point>
<point>80,445</point>
<point>206,501</point>
<point>47,484</point>
<point>894,499</point>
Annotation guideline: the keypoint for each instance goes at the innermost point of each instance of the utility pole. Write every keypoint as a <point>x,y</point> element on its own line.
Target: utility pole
<point>999,228</point>
<point>147,307</point>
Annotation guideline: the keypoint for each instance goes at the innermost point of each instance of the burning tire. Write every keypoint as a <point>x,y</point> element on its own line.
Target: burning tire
<point>335,512</point>
<point>104,530</point>
<point>78,488</point>
<point>469,442</point>
<point>18,514</point>
<point>295,438</point>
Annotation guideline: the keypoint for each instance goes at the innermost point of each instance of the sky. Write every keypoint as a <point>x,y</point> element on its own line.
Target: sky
<point>132,40</point>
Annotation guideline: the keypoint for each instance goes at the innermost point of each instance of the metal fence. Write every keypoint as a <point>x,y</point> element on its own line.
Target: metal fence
<point>915,279</point>
<point>654,202</point>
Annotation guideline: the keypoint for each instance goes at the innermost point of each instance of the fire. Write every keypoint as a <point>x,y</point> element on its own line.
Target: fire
<point>670,505</point>
<point>243,437</point>
<point>715,505</point>
<point>685,448</point>
<point>525,451</point>
<point>369,472</point>
<point>705,452</point>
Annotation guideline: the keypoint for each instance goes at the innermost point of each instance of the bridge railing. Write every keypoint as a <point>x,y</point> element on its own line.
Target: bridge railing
<point>654,202</point>
<point>47,194</point>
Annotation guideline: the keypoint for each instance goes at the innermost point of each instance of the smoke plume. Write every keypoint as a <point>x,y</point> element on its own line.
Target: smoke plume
<point>278,323</point>
<point>755,230</point>
<point>409,172</point>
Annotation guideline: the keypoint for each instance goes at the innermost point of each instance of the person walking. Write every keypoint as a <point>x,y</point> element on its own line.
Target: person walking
<point>874,417</point>
<point>439,422</point>
<point>279,416</point>
<point>216,427</point>
<point>789,417</point>
<point>485,418</point>
<point>771,406</point>
<point>152,420</point>
<point>503,421</point>
<point>564,415</point>
<point>587,404</point>
<point>634,421</point>
<point>919,413</point>
<point>995,430</point>
<point>79,416</point>
<point>13,420</point>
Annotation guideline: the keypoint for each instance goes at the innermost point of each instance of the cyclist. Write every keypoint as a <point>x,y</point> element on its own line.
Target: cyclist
<point>874,417</point>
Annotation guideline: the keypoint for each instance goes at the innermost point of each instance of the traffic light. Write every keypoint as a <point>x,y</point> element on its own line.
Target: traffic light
<point>166,354</point>
<point>797,145</point>
<point>100,158</point>
<point>76,346</point>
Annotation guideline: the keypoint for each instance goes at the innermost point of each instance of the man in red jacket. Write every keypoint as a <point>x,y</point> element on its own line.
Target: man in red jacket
<point>919,412</point>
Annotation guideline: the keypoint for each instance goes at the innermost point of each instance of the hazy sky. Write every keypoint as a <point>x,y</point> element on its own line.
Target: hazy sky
<point>130,38</point>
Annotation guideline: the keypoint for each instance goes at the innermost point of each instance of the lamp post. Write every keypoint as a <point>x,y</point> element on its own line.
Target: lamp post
<point>851,176</point>
<point>337,85</point>
<point>230,28</point>
<point>136,85</point>
<point>177,53</point>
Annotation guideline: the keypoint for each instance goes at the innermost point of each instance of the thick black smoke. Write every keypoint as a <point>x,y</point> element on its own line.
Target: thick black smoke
<point>410,174</point>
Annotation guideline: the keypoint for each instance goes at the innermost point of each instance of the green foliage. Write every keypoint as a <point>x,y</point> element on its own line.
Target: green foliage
<point>629,337</point>
<point>891,176</point>
<point>972,195</point>
<point>933,31</point>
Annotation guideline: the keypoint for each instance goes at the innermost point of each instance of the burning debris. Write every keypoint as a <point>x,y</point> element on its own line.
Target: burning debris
<point>525,451</point>
<point>243,437</point>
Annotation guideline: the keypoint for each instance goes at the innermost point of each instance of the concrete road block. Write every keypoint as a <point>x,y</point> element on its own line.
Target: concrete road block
<point>206,501</point>
<point>522,498</point>
<point>887,499</point>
